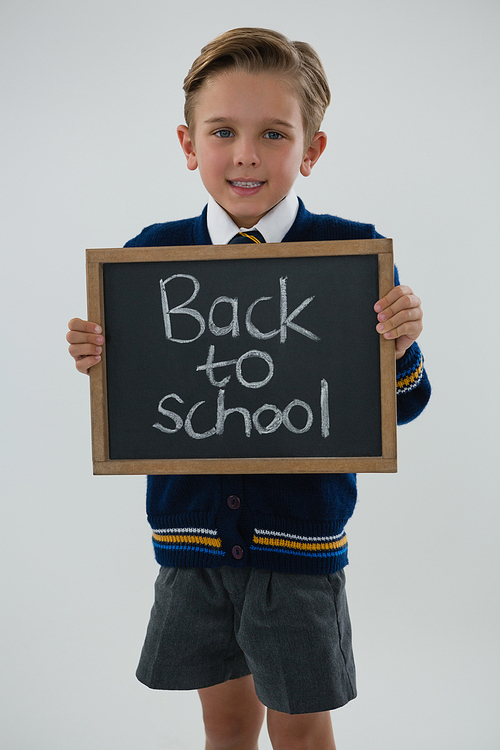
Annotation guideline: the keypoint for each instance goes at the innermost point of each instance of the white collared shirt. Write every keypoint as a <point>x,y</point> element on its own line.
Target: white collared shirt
<point>273,226</point>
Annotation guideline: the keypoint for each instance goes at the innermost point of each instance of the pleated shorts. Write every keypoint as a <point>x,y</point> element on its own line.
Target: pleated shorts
<point>291,632</point>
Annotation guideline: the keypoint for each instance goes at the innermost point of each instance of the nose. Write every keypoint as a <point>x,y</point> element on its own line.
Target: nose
<point>246,153</point>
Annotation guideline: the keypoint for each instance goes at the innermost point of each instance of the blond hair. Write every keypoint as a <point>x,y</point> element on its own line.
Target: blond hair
<point>254,50</point>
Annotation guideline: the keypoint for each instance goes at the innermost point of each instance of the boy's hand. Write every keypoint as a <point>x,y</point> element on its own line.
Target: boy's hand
<point>85,343</point>
<point>400,317</point>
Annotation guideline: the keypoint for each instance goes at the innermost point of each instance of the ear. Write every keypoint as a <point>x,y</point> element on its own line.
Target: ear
<point>313,153</point>
<point>187,145</point>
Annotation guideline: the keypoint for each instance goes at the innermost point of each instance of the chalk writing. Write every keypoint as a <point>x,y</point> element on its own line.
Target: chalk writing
<point>281,417</point>
<point>210,365</point>
<point>297,416</point>
<point>285,318</point>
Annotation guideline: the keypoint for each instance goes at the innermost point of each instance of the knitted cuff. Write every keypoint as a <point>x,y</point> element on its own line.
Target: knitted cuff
<point>409,369</point>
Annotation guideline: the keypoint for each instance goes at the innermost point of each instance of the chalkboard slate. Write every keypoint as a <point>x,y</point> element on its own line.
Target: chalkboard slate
<point>242,359</point>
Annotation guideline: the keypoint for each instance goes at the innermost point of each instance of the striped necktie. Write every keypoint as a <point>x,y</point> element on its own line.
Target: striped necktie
<point>245,237</point>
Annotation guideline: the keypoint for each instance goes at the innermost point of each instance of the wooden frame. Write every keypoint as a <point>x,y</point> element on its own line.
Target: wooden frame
<point>102,464</point>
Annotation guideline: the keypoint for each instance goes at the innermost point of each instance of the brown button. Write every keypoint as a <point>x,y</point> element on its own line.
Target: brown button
<point>234,501</point>
<point>237,552</point>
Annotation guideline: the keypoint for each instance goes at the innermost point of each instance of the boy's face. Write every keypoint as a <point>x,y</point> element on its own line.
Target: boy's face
<point>247,140</point>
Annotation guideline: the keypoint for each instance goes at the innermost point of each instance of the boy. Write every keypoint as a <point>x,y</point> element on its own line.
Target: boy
<point>267,616</point>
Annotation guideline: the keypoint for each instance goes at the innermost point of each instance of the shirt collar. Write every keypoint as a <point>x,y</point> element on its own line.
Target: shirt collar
<point>273,226</point>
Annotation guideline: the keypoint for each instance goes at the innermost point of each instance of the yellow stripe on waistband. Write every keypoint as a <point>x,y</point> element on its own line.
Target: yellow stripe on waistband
<point>290,544</point>
<point>206,541</point>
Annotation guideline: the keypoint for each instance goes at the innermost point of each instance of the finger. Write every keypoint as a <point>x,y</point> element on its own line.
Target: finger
<point>85,326</point>
<point>412,330</point>
<point>78,337</point>
<point>395,294</point>
<point>83,350</point>
<point>412,316</point>
<point>405,302</point>
<point>83,364</point>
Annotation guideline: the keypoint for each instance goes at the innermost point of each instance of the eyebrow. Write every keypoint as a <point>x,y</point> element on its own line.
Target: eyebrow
<point>268,123</point>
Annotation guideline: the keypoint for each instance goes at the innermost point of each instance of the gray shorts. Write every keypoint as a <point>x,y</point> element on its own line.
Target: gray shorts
<point>291,632</point>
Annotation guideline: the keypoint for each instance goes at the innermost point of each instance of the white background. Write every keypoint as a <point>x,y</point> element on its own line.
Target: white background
<point>91,95</point>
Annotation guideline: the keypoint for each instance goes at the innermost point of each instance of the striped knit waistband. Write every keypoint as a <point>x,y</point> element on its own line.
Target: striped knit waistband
<point>292,544</point>
<point>268,548</point>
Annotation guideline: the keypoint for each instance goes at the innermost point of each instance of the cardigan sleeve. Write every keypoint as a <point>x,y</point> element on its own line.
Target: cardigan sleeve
<point>413,389</point>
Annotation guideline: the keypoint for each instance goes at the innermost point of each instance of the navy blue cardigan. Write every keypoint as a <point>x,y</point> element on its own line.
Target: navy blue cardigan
<point>286,522</point>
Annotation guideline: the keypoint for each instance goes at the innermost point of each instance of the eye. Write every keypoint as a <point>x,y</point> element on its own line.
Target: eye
<point>224,133</point>
<point>273,135</point>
